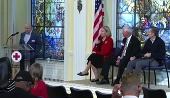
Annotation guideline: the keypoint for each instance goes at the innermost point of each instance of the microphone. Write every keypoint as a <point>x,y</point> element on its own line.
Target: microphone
<point>11,36</point>
<point>14,34</point>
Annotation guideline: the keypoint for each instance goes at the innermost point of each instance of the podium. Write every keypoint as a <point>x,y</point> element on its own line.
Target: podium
<point>24,49</point>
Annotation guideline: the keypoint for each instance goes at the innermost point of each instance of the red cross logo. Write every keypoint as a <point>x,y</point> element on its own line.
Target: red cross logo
<point>16,56</point>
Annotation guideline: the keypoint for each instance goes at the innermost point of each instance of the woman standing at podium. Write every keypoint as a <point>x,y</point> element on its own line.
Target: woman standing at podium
<point>31,38</point>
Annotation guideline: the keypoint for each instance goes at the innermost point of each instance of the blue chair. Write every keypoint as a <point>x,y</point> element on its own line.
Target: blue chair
<point>102,95</point>
<point>79,93</point>
<point>116,51</point>
<point>153,93</point>
<point>154,68</point>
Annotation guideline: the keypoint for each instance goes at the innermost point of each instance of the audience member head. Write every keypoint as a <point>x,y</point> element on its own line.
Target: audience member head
<point>36,71</point>
<point>131,84</point>
<point>153,32</point>
<point>23,80</point>
<point>126,31</point>
<point>105,31</point>
<point>5,70</point>
<point>28,28</point>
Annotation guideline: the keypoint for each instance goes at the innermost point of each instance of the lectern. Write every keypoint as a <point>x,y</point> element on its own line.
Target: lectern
<point>24,49</point>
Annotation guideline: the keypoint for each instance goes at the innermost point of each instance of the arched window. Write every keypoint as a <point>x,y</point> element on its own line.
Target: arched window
<point>48,22</point>
<point>142,14</point>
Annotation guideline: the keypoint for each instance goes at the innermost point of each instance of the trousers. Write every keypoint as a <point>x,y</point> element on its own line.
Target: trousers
<point>112,61</point>
<point>138,64</point>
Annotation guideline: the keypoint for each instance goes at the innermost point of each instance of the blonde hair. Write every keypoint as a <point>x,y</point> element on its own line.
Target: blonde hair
<point>107,30</point>
<point>36,71</point>
<point>130,81</point>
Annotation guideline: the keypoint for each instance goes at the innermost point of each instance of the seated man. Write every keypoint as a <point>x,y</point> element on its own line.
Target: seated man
<point>153,51</point>
<point>23,83</point>
<point>130,47</point>
<point>129,88</point>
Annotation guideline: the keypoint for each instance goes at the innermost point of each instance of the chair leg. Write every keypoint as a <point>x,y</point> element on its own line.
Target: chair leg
<point>112,74</point>
<point>144,77</point>
<point>155,76</point>
<point>149,76</point>
<point>167,77</point>
<point>149,80</point>
<point>167,74</point>
<point>90,73</point>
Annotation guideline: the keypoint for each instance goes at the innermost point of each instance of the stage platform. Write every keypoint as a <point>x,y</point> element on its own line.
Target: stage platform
<point>86,84</point>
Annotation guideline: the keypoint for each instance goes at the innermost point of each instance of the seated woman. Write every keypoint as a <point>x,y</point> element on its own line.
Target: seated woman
<point>102,49</point>
<point>39,88</point>
<point>6,84</point>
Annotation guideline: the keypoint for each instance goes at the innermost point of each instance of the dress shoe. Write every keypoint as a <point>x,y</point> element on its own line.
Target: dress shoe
<point>103,81</point>
<point>81,74</point>
<point>94,80</point>
<point>115,82</point>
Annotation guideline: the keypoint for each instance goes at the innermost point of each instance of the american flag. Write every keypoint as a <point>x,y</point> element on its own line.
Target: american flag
<point>98,19</point>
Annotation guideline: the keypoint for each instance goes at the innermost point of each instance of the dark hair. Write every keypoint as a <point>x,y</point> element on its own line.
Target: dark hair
<point>5,70</point>
<point>154,30</point>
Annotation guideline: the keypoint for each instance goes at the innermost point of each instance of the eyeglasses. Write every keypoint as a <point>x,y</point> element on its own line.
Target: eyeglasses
<point>29,84</point>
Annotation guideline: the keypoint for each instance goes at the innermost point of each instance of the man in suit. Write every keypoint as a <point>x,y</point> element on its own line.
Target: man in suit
<point>130,47</point>
<point>32,39</point>
<point>153,51</point>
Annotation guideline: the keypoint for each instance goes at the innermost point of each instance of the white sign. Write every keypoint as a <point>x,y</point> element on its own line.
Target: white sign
<point>16,56</point>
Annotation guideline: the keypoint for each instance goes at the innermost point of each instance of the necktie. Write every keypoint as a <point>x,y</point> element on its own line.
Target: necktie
<point>126,45</point>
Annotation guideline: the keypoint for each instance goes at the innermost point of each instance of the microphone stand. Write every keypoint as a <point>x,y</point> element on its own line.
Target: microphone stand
<point>10,37</point>
<point>6,47</point>
<point>6,44</point>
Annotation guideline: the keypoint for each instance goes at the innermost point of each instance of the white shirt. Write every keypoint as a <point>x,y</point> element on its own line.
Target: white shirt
<point>129,96</point>
<point>127,42</point>
<point>152,40</point>
<point>27,37</point>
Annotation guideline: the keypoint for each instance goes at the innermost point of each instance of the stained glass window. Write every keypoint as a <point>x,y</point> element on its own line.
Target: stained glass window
<point>142,14</point>
<point>48,22</point>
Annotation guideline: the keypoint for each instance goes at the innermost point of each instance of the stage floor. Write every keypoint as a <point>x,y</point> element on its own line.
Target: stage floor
<point>86,84</point>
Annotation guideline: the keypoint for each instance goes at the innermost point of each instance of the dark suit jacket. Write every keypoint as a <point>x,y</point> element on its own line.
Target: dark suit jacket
<point>34,42</point>
<point>132,49</point>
